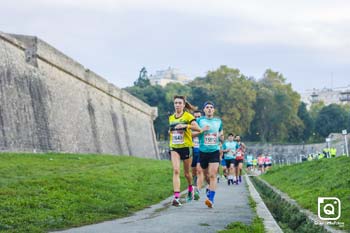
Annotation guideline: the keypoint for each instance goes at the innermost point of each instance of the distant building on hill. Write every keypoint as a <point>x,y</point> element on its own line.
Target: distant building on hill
<point>339,95</point>
<point>170,75</point>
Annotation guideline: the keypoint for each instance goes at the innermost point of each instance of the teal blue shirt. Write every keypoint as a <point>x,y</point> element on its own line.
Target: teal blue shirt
<point>209,140</point>
<point>230,145</point>
<point>249,159</point>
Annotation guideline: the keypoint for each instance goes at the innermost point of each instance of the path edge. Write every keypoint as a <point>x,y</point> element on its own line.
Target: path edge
<point>262,211</point>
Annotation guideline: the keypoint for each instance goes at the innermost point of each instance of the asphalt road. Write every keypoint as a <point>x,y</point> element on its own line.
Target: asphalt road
<point>231,205</point>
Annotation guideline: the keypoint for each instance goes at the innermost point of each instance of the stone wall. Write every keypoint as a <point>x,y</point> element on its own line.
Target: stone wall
<point>292,153</point>
<point>49,102</point>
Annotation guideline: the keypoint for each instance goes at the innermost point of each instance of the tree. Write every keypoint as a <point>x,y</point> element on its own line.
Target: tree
<point>200,94</point>
<point>143,80</point>
<point>264,110</point>
<point>305,117</point>
<point>232,94</point>
<point>315,109</point>
<point>346,107</point>
<point>331,119</point>
<point>161,97</point>
<point>276,110</point>
<point>172,89</point>
<point>260,125</point>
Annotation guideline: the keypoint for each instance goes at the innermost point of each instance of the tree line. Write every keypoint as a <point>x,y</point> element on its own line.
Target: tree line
<point>265,110</point>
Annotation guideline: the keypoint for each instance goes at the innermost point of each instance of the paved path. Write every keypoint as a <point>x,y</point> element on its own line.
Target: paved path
<point>231,205</point>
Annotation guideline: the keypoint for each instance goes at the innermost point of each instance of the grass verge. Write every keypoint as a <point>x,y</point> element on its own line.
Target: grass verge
<point>41,192</point>
<point>257,226</point>
<point>288,217</point>
<point>307,181</point>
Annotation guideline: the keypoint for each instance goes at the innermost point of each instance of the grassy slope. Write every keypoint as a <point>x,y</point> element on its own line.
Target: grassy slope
<point>307,181</point>
<point>40,192</point>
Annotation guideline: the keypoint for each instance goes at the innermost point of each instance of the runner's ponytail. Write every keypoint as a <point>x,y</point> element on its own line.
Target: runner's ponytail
<point>188,106</point>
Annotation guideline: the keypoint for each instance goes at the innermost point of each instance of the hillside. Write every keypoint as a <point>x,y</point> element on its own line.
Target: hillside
<point>307,181</point>
<point>40,192</point>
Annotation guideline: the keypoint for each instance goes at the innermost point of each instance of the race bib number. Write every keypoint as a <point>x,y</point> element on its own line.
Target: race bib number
<point>210,139</point>
<point>178,136</point>
<point>196,142</point>
<point>239,155</point>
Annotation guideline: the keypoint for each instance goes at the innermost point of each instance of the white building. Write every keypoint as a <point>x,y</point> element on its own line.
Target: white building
<point>339,95</point>
<point>170,75</point>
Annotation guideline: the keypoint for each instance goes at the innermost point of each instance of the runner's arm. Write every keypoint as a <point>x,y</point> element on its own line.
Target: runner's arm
<point>197,133</point>
<point>243,147</point>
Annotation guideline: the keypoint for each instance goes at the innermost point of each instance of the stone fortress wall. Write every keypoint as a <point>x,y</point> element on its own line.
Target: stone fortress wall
<point>49,102</point>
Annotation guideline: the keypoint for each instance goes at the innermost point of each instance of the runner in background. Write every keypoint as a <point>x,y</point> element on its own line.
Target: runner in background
<point>268,162</point>
<point>255,163</point>
<point>229,148</point>
<point>249,162</point>
<point>261,162</point>
<point>218,175</point>
<point>239,165</point>
<point>197,172</point>
<point>240,157</point>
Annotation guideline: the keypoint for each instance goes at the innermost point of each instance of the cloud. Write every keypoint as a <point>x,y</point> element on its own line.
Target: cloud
<point>115,38</point>
<point>313,24</point>
<point>313,28</point>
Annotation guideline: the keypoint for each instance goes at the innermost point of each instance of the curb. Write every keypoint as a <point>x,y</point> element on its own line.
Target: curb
<point>263,212</point>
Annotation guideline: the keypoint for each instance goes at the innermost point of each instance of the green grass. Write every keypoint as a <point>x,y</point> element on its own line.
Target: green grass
<point>307,181</point>
<point>41,192</point>
<point>252,203</point>
<point>288,216</point>
<point>257,226</point>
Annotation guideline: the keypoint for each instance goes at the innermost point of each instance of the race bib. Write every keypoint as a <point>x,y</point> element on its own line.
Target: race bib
<point>196,142</point>
<point>210,139</point>
<point>178,136</point>
<point>239,155</point>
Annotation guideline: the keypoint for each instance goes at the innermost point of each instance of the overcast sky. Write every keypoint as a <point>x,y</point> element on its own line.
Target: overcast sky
<point>307,41</point>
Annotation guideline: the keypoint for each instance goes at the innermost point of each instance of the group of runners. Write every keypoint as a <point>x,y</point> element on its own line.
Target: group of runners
<point>198,141</point>
<point>232,159</point>
<point>261,163</point>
